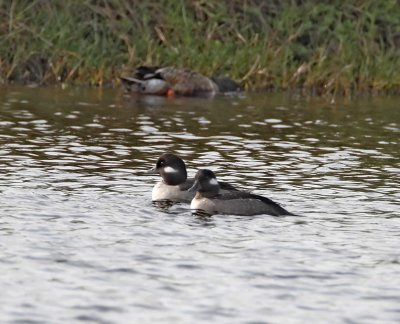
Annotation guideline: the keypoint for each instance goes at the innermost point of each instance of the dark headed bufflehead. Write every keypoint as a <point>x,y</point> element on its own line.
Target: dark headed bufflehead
<point>175,184</point>
<point>210,200</point>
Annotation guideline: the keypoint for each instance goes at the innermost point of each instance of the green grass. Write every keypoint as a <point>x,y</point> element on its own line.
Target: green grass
<point>344,47</point>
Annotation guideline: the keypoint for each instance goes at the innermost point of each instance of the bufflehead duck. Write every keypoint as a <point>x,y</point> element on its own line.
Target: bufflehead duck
<point>175,184</point>
<point>210,200</point>
<point>167,81</point>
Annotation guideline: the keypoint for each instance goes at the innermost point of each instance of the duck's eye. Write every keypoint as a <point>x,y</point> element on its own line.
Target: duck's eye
<point>162,163</point>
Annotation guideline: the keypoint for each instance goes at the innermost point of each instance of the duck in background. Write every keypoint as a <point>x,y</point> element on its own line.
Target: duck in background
<point>170,81</point>
<point>174,184</point>
<point>211,200</point>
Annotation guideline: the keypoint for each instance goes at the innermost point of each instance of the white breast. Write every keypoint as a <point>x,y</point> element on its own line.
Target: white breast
<point>205,204</point>
<point>155,86</point>
<point>162,191</point>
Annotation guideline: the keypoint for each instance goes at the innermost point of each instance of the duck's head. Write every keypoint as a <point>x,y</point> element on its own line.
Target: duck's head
<point>206,183</point>
<point>171,168</point>
<point>226,84</point>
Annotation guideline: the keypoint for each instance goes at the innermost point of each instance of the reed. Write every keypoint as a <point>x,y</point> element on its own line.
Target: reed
<point>343,47</point>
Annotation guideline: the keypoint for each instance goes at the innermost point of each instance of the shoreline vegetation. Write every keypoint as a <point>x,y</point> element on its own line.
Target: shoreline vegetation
<point>335,48</point>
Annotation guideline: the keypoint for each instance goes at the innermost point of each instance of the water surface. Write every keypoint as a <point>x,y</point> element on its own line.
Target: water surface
<point>80,240</point>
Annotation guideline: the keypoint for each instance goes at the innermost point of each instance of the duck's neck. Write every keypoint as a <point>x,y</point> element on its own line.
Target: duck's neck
<point>174,179</point>
<point>209,193</point>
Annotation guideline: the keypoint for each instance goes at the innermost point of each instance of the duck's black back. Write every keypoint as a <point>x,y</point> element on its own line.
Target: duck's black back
<point>275,207</point>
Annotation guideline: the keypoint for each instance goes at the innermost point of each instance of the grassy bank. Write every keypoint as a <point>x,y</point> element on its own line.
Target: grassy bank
<point>344,47</point>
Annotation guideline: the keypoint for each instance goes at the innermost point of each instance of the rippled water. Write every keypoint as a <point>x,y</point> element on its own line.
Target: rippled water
<point>81,241</point>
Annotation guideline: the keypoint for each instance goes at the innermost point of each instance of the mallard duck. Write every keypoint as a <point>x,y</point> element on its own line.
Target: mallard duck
<point>168,81</point>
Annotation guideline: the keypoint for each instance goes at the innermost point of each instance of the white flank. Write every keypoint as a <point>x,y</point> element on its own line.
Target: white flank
<point>168,169</point>
<point>213,182</point>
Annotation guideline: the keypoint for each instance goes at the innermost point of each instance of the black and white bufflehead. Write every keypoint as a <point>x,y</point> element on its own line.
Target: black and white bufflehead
<point>175,184</point>
<point>210,200</point>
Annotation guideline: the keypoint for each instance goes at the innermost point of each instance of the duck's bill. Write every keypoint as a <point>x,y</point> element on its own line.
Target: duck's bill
<point>195,187</point>
<point>152,171</point>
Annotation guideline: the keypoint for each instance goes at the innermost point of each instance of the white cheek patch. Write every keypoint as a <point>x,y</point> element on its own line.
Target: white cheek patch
<point>168,169</point>
<point>213,182</point>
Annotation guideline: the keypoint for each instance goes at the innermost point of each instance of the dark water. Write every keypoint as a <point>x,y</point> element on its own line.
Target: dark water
<point>81,241</point>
